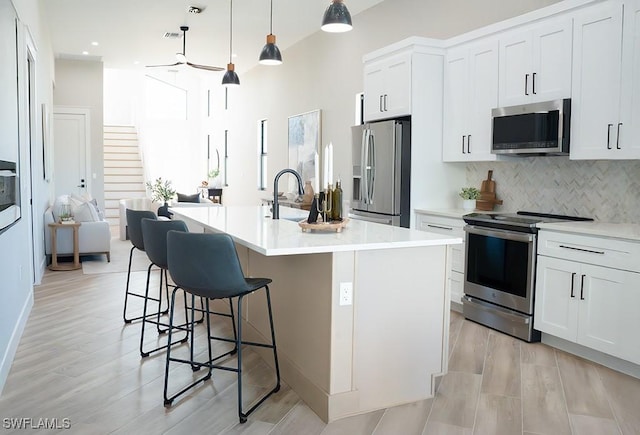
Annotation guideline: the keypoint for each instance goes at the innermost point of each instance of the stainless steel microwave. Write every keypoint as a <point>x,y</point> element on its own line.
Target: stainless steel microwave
<point>532,129</point>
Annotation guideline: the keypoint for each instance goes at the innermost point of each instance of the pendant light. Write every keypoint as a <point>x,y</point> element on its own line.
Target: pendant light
<point>270,54</point>
<point>230,77</point>
<point>336,18</point>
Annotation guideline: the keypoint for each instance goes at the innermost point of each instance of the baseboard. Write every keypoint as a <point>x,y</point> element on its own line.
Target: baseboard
<point>456,306</point>
<point>604,359</point>
<point>10,352</point>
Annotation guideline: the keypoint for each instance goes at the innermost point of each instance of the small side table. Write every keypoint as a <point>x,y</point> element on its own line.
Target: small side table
<point>54,251</point>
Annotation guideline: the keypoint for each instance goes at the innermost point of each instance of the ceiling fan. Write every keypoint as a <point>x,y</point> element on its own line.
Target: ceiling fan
<point>182,58</point>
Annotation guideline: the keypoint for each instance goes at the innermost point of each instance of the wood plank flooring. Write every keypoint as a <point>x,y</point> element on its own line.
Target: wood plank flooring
<point>78,360</point>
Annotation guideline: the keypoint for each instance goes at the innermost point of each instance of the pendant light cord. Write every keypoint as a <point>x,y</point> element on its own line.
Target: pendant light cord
<point>271,19</point>
<point>230,31</point>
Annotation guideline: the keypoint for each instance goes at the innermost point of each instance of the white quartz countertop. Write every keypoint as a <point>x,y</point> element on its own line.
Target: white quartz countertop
<point>626,231</point>
<point>252,226</point>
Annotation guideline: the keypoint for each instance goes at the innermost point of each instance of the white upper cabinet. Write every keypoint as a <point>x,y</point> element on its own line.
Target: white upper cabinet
<point>535,64</point>
<point>605,118</point>
<point>471,91</point>
<point>387,87</point>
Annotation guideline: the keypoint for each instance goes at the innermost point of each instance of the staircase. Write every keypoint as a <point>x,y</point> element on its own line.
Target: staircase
<point>123,172</point>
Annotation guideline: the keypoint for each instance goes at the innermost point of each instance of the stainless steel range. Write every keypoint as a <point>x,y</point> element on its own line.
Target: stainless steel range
<point>501,269</point>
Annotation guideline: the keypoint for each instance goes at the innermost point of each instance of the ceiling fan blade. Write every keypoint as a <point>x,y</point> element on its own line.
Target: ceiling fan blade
<point>158,66</point>
<point>206,67</point>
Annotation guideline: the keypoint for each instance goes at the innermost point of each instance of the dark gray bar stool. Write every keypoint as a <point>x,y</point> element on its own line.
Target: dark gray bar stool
<point>134,218</point>
<point>154,234</point>
<point>207,265</point>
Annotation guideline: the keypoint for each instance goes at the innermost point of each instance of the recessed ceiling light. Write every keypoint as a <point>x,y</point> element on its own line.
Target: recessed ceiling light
<point>85,52</point>
<point>137,62</point>
<point>234,55</point>
<point>95,43</point>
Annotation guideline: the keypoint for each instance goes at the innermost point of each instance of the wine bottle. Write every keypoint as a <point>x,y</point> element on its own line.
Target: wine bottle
<point>336,206</point>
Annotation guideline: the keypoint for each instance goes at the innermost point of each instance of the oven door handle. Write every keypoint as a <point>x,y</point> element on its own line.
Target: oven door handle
<point>500,234</point>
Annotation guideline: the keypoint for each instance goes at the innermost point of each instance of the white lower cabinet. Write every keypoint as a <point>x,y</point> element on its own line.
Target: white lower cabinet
<point>455,253</point>
<point>588,304</point>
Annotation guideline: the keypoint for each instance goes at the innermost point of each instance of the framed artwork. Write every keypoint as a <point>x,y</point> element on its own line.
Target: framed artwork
<point>304,142</point>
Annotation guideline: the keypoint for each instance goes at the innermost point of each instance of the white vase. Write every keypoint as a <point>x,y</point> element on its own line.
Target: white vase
<point>468,204</point>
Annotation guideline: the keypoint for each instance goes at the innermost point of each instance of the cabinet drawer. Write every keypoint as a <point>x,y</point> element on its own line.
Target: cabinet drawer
<point>441,225</point>
<point>617,254</point>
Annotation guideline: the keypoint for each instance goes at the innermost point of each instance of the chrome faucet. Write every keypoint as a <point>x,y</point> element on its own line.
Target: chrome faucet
<point>276,207</point>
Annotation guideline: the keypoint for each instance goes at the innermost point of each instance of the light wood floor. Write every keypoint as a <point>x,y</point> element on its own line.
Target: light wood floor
<point>77,360</point>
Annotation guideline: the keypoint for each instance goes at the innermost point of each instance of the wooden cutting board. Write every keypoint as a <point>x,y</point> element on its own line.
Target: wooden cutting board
<point>487,198</point>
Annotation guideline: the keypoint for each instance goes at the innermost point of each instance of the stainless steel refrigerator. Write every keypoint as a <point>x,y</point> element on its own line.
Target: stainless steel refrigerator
<point>381,153</point>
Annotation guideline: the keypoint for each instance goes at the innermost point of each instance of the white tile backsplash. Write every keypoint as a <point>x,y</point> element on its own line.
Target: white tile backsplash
<point>606,190</point>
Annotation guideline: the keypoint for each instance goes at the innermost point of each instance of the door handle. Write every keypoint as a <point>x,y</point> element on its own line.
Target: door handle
<point>371,160</point>
<point>526,84</point>
<point>582,288</point>
<point>609,136</point>
<point>533,83</point>
<point>573,278</point>
<point>618,137</point>
<point>463,143</point>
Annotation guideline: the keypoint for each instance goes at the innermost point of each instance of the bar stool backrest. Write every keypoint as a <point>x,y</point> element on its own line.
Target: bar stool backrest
<point>154,234</point>
<point>134,218</point>
<point>205,264</point>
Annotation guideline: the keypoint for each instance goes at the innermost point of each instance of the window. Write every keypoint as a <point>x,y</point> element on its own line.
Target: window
<point>226,156</point>
<point>262,151</point>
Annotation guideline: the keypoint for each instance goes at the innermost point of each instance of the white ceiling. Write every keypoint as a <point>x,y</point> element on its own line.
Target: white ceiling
<point>129,31</point>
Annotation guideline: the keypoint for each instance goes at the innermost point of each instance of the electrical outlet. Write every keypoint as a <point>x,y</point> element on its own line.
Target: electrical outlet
<point>346,293</point>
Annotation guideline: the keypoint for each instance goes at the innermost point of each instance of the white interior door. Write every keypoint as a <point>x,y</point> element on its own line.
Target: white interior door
<point>71,151</point>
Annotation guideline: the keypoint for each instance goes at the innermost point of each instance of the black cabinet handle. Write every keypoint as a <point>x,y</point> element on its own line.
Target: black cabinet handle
<point>469,144</point>
<point>463,144</point>
<point>609,136</point>
<point>438,226</point>
<point>618,137</point>
<point>573,276</point>
<point>581,249</point>
<point>380,103</point>
<point>526,84</point>
<point>582,288</point>
<point>533,83</point>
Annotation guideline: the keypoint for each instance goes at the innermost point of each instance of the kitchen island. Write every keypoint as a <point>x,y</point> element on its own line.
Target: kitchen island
<point>361,316</point>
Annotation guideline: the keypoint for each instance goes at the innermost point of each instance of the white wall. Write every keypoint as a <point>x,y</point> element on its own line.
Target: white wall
<point>19,254</point>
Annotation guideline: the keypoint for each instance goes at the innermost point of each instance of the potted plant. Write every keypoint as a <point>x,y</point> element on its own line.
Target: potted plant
<point>213,177</point>
<point>469,196</point>
<point>161,190</point>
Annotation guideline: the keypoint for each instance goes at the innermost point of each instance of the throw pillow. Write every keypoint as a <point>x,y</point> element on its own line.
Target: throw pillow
<point>82,213</point>
<point>83,210</point>
<point>189,198</point>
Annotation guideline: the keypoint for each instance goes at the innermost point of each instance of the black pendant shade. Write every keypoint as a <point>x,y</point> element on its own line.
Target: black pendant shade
<point>336,18</point>
<point>270,54</point>
<point>230,77</point>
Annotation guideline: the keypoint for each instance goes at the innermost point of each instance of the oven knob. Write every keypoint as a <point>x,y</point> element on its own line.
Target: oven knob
<point>493,295</point>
